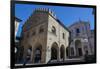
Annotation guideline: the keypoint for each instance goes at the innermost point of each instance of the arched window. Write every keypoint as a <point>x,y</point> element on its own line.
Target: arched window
<point>28,57</point>
<point>33,33</point>
<point>77,30</point>
<point>41,29</point>
<point>63,36</point>
<point>37,54</point>
<point>54,51</point>
<point>78,47</point>
<point>53,30</point>
<point>29,50</point>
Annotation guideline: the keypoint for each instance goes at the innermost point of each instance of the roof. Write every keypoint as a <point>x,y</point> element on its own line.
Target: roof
<point>60,23</point>
<point>79,22</point>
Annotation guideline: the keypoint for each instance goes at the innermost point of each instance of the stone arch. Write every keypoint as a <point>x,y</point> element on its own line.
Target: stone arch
<point>78,46</point>
<point>20,54</point>
<point>28,55</point>
<point>37,53</point>
<point>29,50</point>
<point>41,29</point>
<point>86,49</point>
<point>54,51</point>
<point>62,52</point>
<point>67,52</point>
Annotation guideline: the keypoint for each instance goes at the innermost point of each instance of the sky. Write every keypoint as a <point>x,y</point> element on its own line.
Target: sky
<point>67,15</point>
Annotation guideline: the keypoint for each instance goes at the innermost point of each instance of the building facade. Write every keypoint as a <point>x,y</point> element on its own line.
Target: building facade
<point>44,38</point>
<point>81,43</point>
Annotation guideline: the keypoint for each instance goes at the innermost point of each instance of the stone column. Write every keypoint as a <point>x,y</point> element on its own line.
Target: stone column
<point>82,46</point>
<point>89,48</point>
<point>32,54</point>
<point>43,54</point>
<point>25,53</point>
<point>65,54</point>
<point>58,55</point>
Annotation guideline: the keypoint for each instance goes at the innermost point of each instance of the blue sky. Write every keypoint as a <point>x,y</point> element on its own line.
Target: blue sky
<point>67,15</point>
